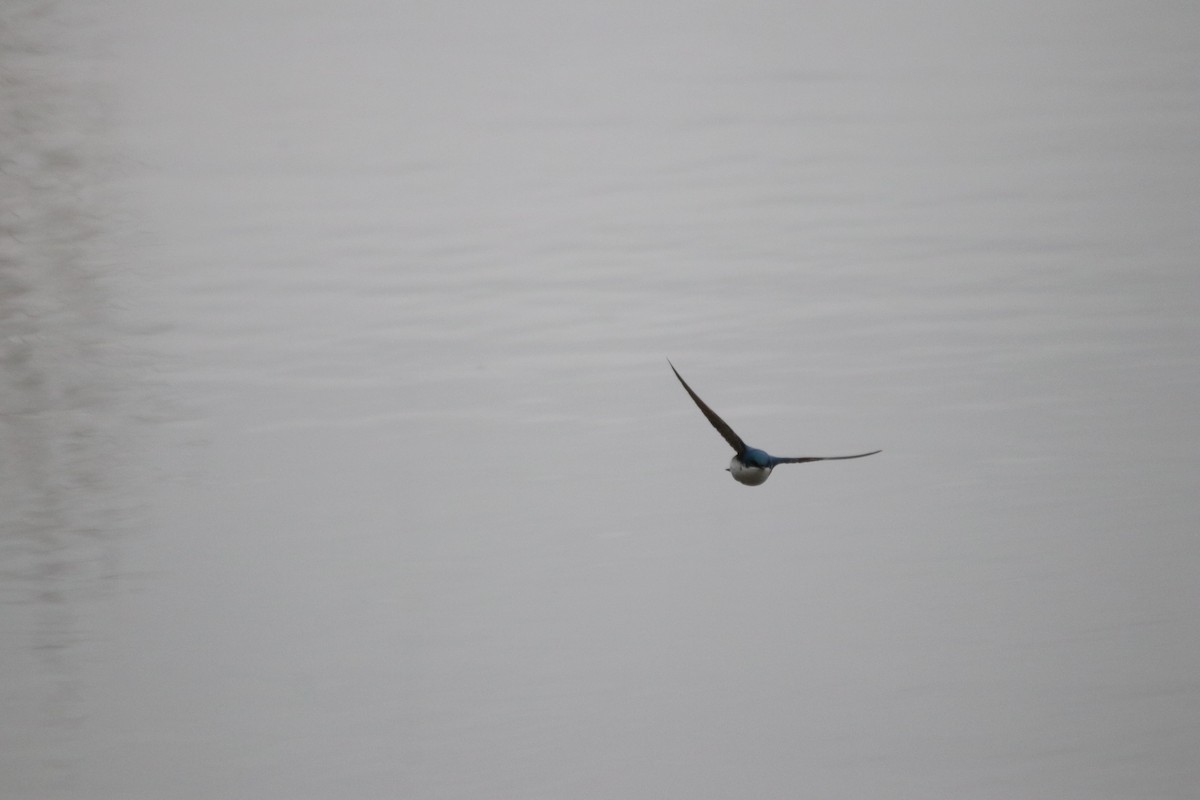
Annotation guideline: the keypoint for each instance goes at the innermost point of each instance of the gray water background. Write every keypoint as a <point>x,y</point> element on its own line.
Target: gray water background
<point>339,455</point>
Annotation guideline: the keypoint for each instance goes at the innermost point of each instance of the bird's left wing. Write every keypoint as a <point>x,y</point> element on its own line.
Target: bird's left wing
<point>722,427</point>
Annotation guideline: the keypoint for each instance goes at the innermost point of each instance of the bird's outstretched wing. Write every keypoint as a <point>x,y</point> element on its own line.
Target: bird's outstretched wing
<point>803,459</point>
<point>734,440</point>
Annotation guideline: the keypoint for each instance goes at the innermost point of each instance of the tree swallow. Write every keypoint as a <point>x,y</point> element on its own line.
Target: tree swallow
<point>750,465</point>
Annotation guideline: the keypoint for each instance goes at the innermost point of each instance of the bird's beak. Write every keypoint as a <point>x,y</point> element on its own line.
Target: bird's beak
<point>727,469</point>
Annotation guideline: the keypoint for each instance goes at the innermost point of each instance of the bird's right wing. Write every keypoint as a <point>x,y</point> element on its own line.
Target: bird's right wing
<point>803,459</point>
<point>722,427</point>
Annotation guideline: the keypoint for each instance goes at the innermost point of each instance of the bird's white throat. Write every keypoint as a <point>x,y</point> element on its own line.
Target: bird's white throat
<point>751,476</point>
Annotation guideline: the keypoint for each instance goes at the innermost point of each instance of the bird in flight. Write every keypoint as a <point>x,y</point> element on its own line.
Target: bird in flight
<point>750,465</point>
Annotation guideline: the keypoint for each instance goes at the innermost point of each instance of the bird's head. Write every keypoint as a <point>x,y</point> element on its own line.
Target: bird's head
<point>753,457</point>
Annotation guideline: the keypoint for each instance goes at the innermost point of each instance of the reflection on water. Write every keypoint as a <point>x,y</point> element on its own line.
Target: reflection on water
<point>59,443</point>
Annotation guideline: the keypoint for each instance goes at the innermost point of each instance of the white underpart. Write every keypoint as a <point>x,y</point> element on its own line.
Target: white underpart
<point>751,476</point>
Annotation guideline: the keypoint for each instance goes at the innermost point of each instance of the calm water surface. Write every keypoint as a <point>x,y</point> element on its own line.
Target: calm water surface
<point>340,455</point>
